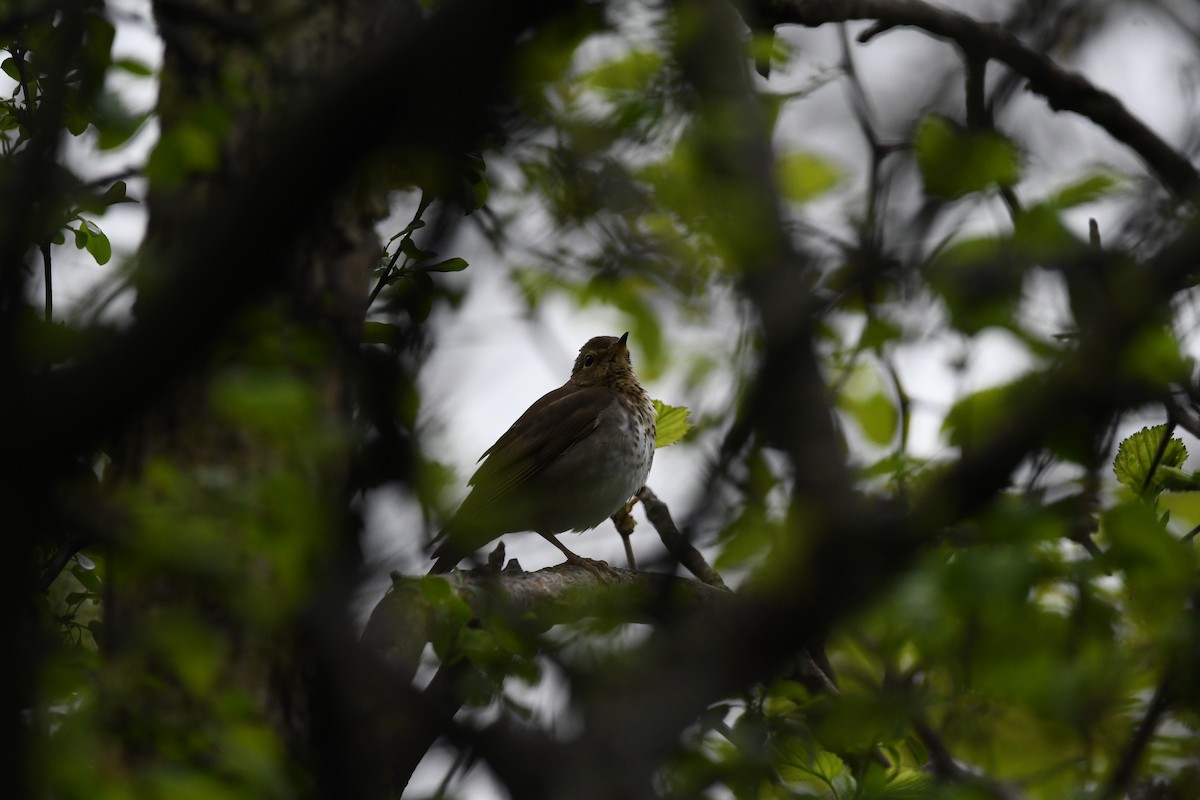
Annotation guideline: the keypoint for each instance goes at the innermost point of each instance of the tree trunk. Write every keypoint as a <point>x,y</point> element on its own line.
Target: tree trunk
<point>227,584</point>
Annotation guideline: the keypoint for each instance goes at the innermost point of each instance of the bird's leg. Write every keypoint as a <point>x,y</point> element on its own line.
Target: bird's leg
<point>625,523</point>
<point>597,568</point>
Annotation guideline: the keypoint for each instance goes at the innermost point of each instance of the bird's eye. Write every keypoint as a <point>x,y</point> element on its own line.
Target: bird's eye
<point>589,360</point>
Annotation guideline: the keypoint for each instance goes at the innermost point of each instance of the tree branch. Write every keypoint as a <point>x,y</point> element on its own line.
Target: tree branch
<point>1063,89</point>
<point>676,543</point>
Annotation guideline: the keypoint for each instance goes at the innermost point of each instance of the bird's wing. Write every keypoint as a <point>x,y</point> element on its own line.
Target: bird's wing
<point>545,431</point>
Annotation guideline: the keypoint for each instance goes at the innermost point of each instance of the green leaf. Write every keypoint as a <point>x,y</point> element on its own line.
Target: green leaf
<point>671,424</point>
<point>449,265</point>
<point>956,162</point>
<point>984,416</point>
<point>1135,458</point>
<point>630,73</point>
<point>480,192</point>
<point>1089,189</point>
<point>438,592</point>
<point>1154,356</point>
<point>10,69</point>
<point>99,246</point>
<point>133,67</point>
<point>1039,234</point>
<point>87,577</point>
<point>410,249</point>
<point>1157,566</point>
<point>806,176</point>
<point>412,226</point>
<point>382,333</point>
<point>980,281</point>
<point>865,398</point>
<point>117,193</point>
<point>192,146</point>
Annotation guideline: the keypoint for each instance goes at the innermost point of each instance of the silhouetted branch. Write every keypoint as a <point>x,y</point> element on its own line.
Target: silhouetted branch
<point>1063,89</point>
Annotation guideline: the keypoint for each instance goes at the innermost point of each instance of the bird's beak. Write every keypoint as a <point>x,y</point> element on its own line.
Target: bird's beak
<point>621,347</point>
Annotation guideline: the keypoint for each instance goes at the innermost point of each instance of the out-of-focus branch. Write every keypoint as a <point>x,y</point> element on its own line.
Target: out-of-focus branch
<point>946,768</point>
<point>1063,89</point>
<point>399,626</point>
<point>403,622</point>
<point>1126,769</point>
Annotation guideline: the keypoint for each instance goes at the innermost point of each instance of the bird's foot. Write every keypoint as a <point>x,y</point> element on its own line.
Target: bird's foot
<point>600,569</point>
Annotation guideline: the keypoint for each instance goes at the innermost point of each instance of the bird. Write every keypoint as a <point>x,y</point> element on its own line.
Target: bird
<point>572,460</point>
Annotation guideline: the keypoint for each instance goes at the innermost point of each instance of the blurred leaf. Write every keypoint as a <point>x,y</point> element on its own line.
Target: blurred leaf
<point>629,73</point>
<point>805,176</point>
<point>879,332</point>
<point>115,124</point>
<point>89,578</point>
<point>1154,356</point>
<point>449,265</point>
<point>984,416</point>
<point>1158,567</point>
<point>671,424</point>
<point>955,162</point>
<point>1088,189</point>
<point>1135,458</point>
<point>134,67</point>
<point>388,333</point>
<point>1039,235</point>
<point>865,397</point>
<point>438,592</point>
<point>193,146</point>
<point>980,281</point>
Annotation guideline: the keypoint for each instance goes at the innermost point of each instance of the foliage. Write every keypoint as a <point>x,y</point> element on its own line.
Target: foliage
<point>989,594</point>
<point>672,424</point>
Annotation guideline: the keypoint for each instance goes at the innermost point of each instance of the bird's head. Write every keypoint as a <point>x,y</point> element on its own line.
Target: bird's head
<point>603,361</point>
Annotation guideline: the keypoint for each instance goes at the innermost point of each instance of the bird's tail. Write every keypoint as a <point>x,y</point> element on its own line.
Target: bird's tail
<point>445,555</point>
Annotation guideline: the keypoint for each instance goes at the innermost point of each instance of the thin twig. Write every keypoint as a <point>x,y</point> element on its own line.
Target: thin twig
<point>1063,89</point>
<point>48,280</point>
<point>677,544</point>
<point>388,272</point>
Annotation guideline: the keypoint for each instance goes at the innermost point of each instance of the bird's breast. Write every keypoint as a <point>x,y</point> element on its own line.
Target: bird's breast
<point>596,476</point>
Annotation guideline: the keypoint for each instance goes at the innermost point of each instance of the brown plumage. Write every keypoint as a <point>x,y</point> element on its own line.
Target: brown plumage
<point>569,462</point>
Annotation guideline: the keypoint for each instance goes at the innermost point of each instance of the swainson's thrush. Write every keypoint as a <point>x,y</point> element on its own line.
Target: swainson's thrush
<point>571,461</point>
